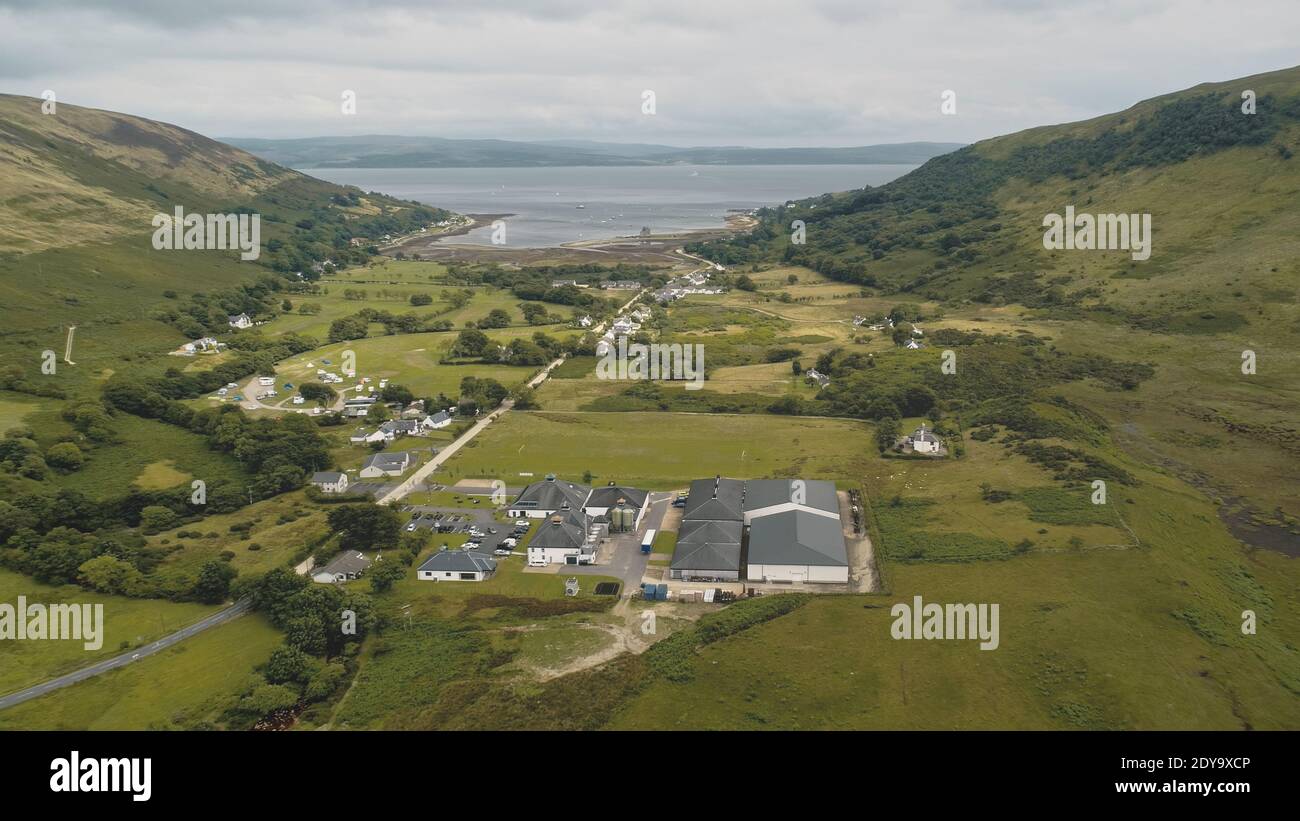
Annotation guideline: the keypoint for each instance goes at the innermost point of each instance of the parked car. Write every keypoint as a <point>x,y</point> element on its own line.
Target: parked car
<point>502,551</point>
<point>492,530</point>
<point>410,527</point>
<point>522,523</point>
<point>415,515</point>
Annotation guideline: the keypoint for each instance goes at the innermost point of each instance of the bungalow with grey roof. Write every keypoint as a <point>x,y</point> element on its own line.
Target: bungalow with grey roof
<point>348,565</point>
<point>385,464</point>
<point>457,566</point>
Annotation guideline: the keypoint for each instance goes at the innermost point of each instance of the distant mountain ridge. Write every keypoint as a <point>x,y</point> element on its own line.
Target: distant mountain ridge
<point>385,151</point>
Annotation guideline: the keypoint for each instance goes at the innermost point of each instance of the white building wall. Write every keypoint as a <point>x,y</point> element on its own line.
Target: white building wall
<point>529,512</point>
<point>447,576</point>
<point>823,574</point>
<point>553,555</point>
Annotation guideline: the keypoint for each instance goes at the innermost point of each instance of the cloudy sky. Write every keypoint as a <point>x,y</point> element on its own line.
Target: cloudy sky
<point>750,72</point>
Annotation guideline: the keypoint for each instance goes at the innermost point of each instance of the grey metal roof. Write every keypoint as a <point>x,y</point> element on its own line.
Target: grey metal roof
<point>551,494</point>
<point>349,561</point>
<point>717,500</point>
<point>700,532</point>
<point>817,493</point>
<point>440,417</point>
<point>609,496</point>
<point>708,546</point>
<point>569,531</point>
<point>797,537</point>
<point>325,477</point>
<point>459,561</point>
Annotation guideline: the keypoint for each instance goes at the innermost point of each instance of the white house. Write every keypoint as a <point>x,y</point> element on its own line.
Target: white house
<point>814,375</point>
<point>912,345</point>
<point>239,321</point>
<point>385,464</point>
<point>436,421</point>
<point>564,538</point>
<point>330,481</point>
<point>923,441</point>
<point>368,437</point>
<point>585,322</point>
<point>457,566</point>
<point>345,567</point>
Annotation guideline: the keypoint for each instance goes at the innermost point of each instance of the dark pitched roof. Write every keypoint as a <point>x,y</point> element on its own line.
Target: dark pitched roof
<point>551,494</point>
<point>459,561</point>
<point>705,545</point>
<point>817,493</point>
<point>387,461</point>
<point>715,499</point>
<point>325,477</point>
<point>349,561</point>
<point>562,530</point>
<point>609,496</point>
<point>797,537</point>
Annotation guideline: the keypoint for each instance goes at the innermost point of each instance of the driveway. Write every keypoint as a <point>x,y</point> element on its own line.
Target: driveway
<point>624,558</point>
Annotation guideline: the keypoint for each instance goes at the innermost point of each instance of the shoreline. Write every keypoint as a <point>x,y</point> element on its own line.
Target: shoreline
<point>736,221</point>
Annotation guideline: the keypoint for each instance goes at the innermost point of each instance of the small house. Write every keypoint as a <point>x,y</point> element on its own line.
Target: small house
<point>330,481</point>
<point>457,566</point>
<point>347,566</point>
<point>385,464</point>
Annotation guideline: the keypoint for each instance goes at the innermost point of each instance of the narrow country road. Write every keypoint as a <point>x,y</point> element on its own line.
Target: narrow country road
<point>234,611</point>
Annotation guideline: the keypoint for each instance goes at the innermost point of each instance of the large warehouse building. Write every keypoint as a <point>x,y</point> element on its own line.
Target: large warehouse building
<point>761,530</point>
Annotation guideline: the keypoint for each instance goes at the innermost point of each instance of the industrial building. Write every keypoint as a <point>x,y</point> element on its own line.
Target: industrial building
<point>761,530</point>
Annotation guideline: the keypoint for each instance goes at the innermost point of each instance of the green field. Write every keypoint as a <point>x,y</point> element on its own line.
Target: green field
<point>664,450</point>
<point>185,686</point>
<point>127,623</point>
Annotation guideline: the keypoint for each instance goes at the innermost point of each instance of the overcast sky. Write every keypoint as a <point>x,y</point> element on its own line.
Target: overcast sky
<point>748,72</point>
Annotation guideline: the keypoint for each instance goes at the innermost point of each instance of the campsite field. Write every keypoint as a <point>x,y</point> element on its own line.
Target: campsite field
<point>411,360</point>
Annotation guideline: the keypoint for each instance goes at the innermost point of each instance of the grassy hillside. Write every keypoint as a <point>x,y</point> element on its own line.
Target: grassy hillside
<point>963,237</point>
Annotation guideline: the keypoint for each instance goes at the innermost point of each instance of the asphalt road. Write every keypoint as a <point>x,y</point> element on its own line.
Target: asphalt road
<point>237,609</point>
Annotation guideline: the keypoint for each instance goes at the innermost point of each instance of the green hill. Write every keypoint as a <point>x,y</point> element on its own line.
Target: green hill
<point>78,190</point>
<point>1221,186</point>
